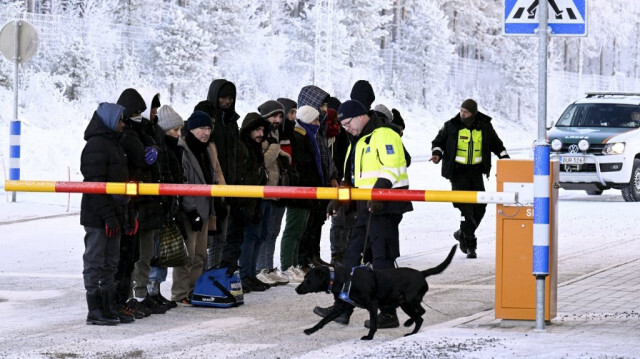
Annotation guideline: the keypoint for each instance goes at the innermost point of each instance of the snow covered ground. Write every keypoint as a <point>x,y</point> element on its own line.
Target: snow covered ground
<point>42,308</point>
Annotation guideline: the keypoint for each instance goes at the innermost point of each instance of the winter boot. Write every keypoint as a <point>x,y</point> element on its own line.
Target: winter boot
<point>460,238</point>
<point>471,247</point>
<point>341,319</point>
<point>109,308</point>
<point>387,318</point>
<point>153,288</point>
<point>95,315</point>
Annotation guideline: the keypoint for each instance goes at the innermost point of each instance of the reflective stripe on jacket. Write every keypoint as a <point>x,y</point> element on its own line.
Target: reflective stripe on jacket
<point>380,154</point>
<point>469,149</point>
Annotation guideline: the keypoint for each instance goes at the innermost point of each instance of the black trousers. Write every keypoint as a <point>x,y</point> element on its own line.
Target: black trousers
<point>469,178</point>
<point>129,254</point>
<point>310,240</point>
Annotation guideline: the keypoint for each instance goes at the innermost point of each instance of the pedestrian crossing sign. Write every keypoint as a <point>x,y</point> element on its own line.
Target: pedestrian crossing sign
<point>566,17</point>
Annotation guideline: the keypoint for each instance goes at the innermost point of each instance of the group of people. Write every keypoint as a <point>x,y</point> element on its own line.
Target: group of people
<point>316,141</point>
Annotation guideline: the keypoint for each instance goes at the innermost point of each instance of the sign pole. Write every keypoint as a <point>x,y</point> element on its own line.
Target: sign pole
<point>14,150</point>
<point>541,170</point>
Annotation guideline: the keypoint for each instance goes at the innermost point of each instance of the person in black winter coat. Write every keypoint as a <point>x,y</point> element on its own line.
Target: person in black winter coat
<point>102,215</point>
<point>136,250</point>
<point>463,163</point>
<point>244,226</point>
<point>169,123</point>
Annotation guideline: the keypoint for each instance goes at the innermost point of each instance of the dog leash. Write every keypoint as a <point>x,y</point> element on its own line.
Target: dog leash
<point>366,238</point>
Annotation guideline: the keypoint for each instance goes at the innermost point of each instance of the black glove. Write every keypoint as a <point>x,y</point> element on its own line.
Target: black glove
<point>333,207</point>
<point>195,220</point>
<point>270,140</point>
<point>374,206</point>
<point>111,226</point>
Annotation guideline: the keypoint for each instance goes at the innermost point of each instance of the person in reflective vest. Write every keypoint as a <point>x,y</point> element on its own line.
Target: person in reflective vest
<point>464,144</point>
<point>375,159</point>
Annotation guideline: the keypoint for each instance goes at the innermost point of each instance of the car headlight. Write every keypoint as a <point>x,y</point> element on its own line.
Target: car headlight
<point>614,148</point>
<point>556,144</point>
<point>583,145</point>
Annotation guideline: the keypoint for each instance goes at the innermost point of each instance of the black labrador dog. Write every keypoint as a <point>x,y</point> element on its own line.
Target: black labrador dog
<point>370,289</point>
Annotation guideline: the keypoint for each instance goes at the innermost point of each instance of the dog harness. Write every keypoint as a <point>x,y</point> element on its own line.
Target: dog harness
<point>332,278</point>
<point>346,288</point>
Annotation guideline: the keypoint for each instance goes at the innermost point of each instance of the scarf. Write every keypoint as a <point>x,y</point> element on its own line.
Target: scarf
<point>311,134</point>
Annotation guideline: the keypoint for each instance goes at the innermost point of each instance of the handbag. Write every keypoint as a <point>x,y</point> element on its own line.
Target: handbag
<point>214,288</point>
<point>169,247</point>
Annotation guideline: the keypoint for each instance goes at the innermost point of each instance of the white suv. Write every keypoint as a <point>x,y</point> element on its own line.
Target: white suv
<point>597,141</point>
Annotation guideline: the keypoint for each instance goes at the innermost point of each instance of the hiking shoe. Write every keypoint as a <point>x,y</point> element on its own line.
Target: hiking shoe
<point>126,314</point>
<point>302,269</point>
<point>323,312</point>
<point>264,277</point>
<point>153,306</point>
<point>254,285</point>
<point>460,238</point>
<point>277,276</point>
<point>164,301</point>
<point>471,253</point>
<point>138,307</point>
<point>293,276</point>
<point>385,321</point>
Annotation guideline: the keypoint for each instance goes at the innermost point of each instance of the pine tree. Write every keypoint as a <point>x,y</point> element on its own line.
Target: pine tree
<point>182,54</point>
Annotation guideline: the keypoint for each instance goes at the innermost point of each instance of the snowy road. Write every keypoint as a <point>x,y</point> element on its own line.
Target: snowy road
<point>42,306</point>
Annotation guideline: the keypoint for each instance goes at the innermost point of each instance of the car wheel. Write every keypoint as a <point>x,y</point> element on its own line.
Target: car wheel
<point>631,192</point>
<point>595,193</point>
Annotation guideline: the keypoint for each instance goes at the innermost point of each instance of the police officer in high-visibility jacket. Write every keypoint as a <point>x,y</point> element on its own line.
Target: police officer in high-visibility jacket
<point>375,159</point>
<point>465,143</point>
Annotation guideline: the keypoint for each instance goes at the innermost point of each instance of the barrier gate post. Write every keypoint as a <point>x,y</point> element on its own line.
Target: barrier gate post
<point>515,286</point>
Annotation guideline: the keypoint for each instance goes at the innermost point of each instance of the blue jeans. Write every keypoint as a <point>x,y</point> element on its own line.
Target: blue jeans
<point>270,229</point>
<point>158,274</point>
<point>250,247</point>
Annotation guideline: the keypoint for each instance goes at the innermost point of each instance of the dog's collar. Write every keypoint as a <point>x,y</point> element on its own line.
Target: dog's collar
<point>332,278</point>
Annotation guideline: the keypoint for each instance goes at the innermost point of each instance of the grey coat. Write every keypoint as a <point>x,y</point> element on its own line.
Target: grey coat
<point>193,175</point>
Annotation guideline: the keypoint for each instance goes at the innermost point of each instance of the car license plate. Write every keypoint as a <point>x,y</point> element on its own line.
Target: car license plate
<point>572,160</point>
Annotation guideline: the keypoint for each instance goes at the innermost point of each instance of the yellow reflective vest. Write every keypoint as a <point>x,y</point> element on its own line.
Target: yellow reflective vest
<point>469,149</point>
<point>379,154</point>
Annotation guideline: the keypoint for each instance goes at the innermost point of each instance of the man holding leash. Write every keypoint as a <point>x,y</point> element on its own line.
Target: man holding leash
<point>375,160</point>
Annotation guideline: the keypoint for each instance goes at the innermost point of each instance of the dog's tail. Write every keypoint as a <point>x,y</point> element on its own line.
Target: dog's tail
<point>442,266</point>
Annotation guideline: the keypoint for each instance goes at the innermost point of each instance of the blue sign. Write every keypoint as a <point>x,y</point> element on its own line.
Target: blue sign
<point>566,17</point>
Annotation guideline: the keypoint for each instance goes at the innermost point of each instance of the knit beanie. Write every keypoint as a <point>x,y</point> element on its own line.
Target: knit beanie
<point>168,118</point>
<point>198,119</point>
<point>349,109</point>
<point>385,111</point>
<point>228,88</point>
<point>334,103</point>
<point>470,105</point>
<point>363,92</point>
<point>288,104</point>
<point>270,108</point>
<point>307,114</point>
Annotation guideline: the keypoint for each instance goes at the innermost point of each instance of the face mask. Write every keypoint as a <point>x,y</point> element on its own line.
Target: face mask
<point>136,119</point>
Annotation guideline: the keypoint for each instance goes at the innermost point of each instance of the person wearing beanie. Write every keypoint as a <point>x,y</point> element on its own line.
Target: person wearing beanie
<point>464,144</point>
<point>306,161</point>
<point>333,103</point>
<point>375,160</point>
<point>144,213</point>
<point>276,162</point>
<point>243,238</point>
<point>170,125</point>
<point>383,111</point>
<point>196,212</point>
<point>363,92</point>
<point>102,215</point>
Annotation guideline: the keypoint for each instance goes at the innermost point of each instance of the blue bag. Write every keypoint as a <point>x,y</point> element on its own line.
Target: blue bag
<point>214,288</point>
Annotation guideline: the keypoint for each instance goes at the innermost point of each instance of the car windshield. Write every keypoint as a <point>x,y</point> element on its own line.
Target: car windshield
<point>600,115</point>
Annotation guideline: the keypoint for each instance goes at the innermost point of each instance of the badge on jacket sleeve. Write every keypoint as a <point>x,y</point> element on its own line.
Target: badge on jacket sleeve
<point>389,149</point>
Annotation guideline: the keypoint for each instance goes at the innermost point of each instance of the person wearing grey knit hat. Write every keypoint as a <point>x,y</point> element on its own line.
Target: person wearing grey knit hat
<point>464,144</point>
<point>270,108</point>
<point>384,111</point>
<point>168,118</point>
